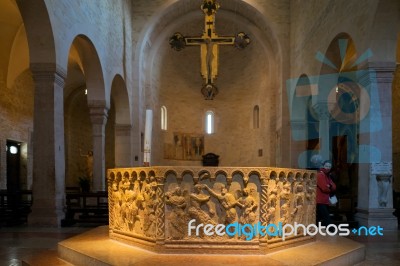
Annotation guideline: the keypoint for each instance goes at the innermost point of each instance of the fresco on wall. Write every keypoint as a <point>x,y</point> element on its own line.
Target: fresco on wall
<point>185,146</point>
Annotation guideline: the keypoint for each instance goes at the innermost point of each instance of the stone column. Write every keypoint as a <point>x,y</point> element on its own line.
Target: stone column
<point>98,116</point>
<point>123,157</point>
<point>376,151</point>
<point>324,122</point>
<point>48,146</point>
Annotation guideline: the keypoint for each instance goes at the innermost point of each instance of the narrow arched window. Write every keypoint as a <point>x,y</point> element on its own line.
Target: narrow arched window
<point>256,117</point>
<point>209,122</point>
<point>163,118</point>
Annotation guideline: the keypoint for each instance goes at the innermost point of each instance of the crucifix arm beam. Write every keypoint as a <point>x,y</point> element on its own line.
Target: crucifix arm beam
<point>221,40</point>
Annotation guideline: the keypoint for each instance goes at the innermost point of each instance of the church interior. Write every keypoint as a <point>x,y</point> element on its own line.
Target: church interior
<point>176,99</point>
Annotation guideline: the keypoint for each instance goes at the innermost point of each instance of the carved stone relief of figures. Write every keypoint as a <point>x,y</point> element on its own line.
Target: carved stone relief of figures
<point>132,210</point>
<point>149,206</point>
<point>250,206</point>
<point>383,188</point>
<point>200,208</point>
<point>228,202</point>
<point>125,196</point>
<point>177,219</point>
<point>116,208</point>
<point>310,197</point>
<point>285,203</point>
<point>297,213</point>
<point>272,201</point>
<point>135,204</point>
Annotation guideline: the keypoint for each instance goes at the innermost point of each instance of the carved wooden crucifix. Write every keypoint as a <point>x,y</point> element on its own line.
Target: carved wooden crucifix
<point>209,43</point>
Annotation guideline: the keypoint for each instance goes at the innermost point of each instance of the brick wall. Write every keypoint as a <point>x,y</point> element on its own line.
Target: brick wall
<point>16,122</point>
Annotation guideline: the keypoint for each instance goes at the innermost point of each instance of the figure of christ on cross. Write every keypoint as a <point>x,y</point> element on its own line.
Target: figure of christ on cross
<point>209,43</point>
<point>209,53</point>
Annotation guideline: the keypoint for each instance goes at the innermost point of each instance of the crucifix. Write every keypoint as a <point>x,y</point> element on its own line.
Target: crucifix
<point>209,43</point>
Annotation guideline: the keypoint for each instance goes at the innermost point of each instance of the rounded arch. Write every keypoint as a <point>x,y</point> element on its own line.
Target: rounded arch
<point>304,121</point>
<point>299,99</point>
<point>92,70</point>
<point>41,42</point>
<point>340,96</point>
<point>119,95</point>
<point>171,14</point>
<point>19,56</point>
<point>340,56</point>
<point>154,57</point>
<point>120,126</point>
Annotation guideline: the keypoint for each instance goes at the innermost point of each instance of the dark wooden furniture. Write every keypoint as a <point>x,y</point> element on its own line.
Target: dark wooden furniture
<point>86,208</point>
<point>15,207</point>
<point>210,159</point>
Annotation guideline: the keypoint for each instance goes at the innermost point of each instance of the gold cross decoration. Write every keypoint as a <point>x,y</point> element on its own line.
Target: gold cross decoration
<point>209,43</point>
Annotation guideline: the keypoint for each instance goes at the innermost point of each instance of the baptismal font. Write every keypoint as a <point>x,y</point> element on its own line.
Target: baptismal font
<point>177,209</point>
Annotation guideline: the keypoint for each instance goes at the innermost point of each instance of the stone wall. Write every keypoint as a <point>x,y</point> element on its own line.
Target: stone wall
<point>78,137</point>
<point>16,123</point>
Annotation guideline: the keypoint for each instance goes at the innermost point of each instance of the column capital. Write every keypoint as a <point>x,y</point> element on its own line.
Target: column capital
<point>48,72</point>
<point>123,129</point>
<point>383,70</point>
<point>98,114</point>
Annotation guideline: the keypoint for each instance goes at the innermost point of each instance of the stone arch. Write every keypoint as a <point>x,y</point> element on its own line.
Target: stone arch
<point>120,97</point>
<point>19,56</point>
<point>339,99</point>
<point>122,127</point>
<point>41,42</point>
<point>85,84</point>
<point>304,121</point>
<point>338,68</point>
<point>48,174</point>
<point>153,48</point>
<point>340,55</point>
<point>93,70</point>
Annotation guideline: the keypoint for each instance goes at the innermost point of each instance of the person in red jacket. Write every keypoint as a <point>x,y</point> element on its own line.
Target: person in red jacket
<point>325,186</point>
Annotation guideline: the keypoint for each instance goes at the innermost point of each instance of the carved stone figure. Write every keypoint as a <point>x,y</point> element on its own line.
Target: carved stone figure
<point>131,209</point>
<point>197,200</point>
<point>228,203</point>
<point>383,188</point>
<point>310,197</point>
<point>298,205</point>
<point>158,211</point>
<point>177,219</point>
<point>149,206</point>
<point>250,206</point>
<point>117,201</point>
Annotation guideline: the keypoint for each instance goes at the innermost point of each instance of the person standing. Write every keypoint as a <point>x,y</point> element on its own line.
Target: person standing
<point>325,186</point>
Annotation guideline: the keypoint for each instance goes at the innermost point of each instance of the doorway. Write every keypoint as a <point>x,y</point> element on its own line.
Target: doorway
<point>345,174</point>
<point>13,166</point>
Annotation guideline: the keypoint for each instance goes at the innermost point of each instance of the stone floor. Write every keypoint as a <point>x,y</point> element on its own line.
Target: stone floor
<point>18,244</point>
